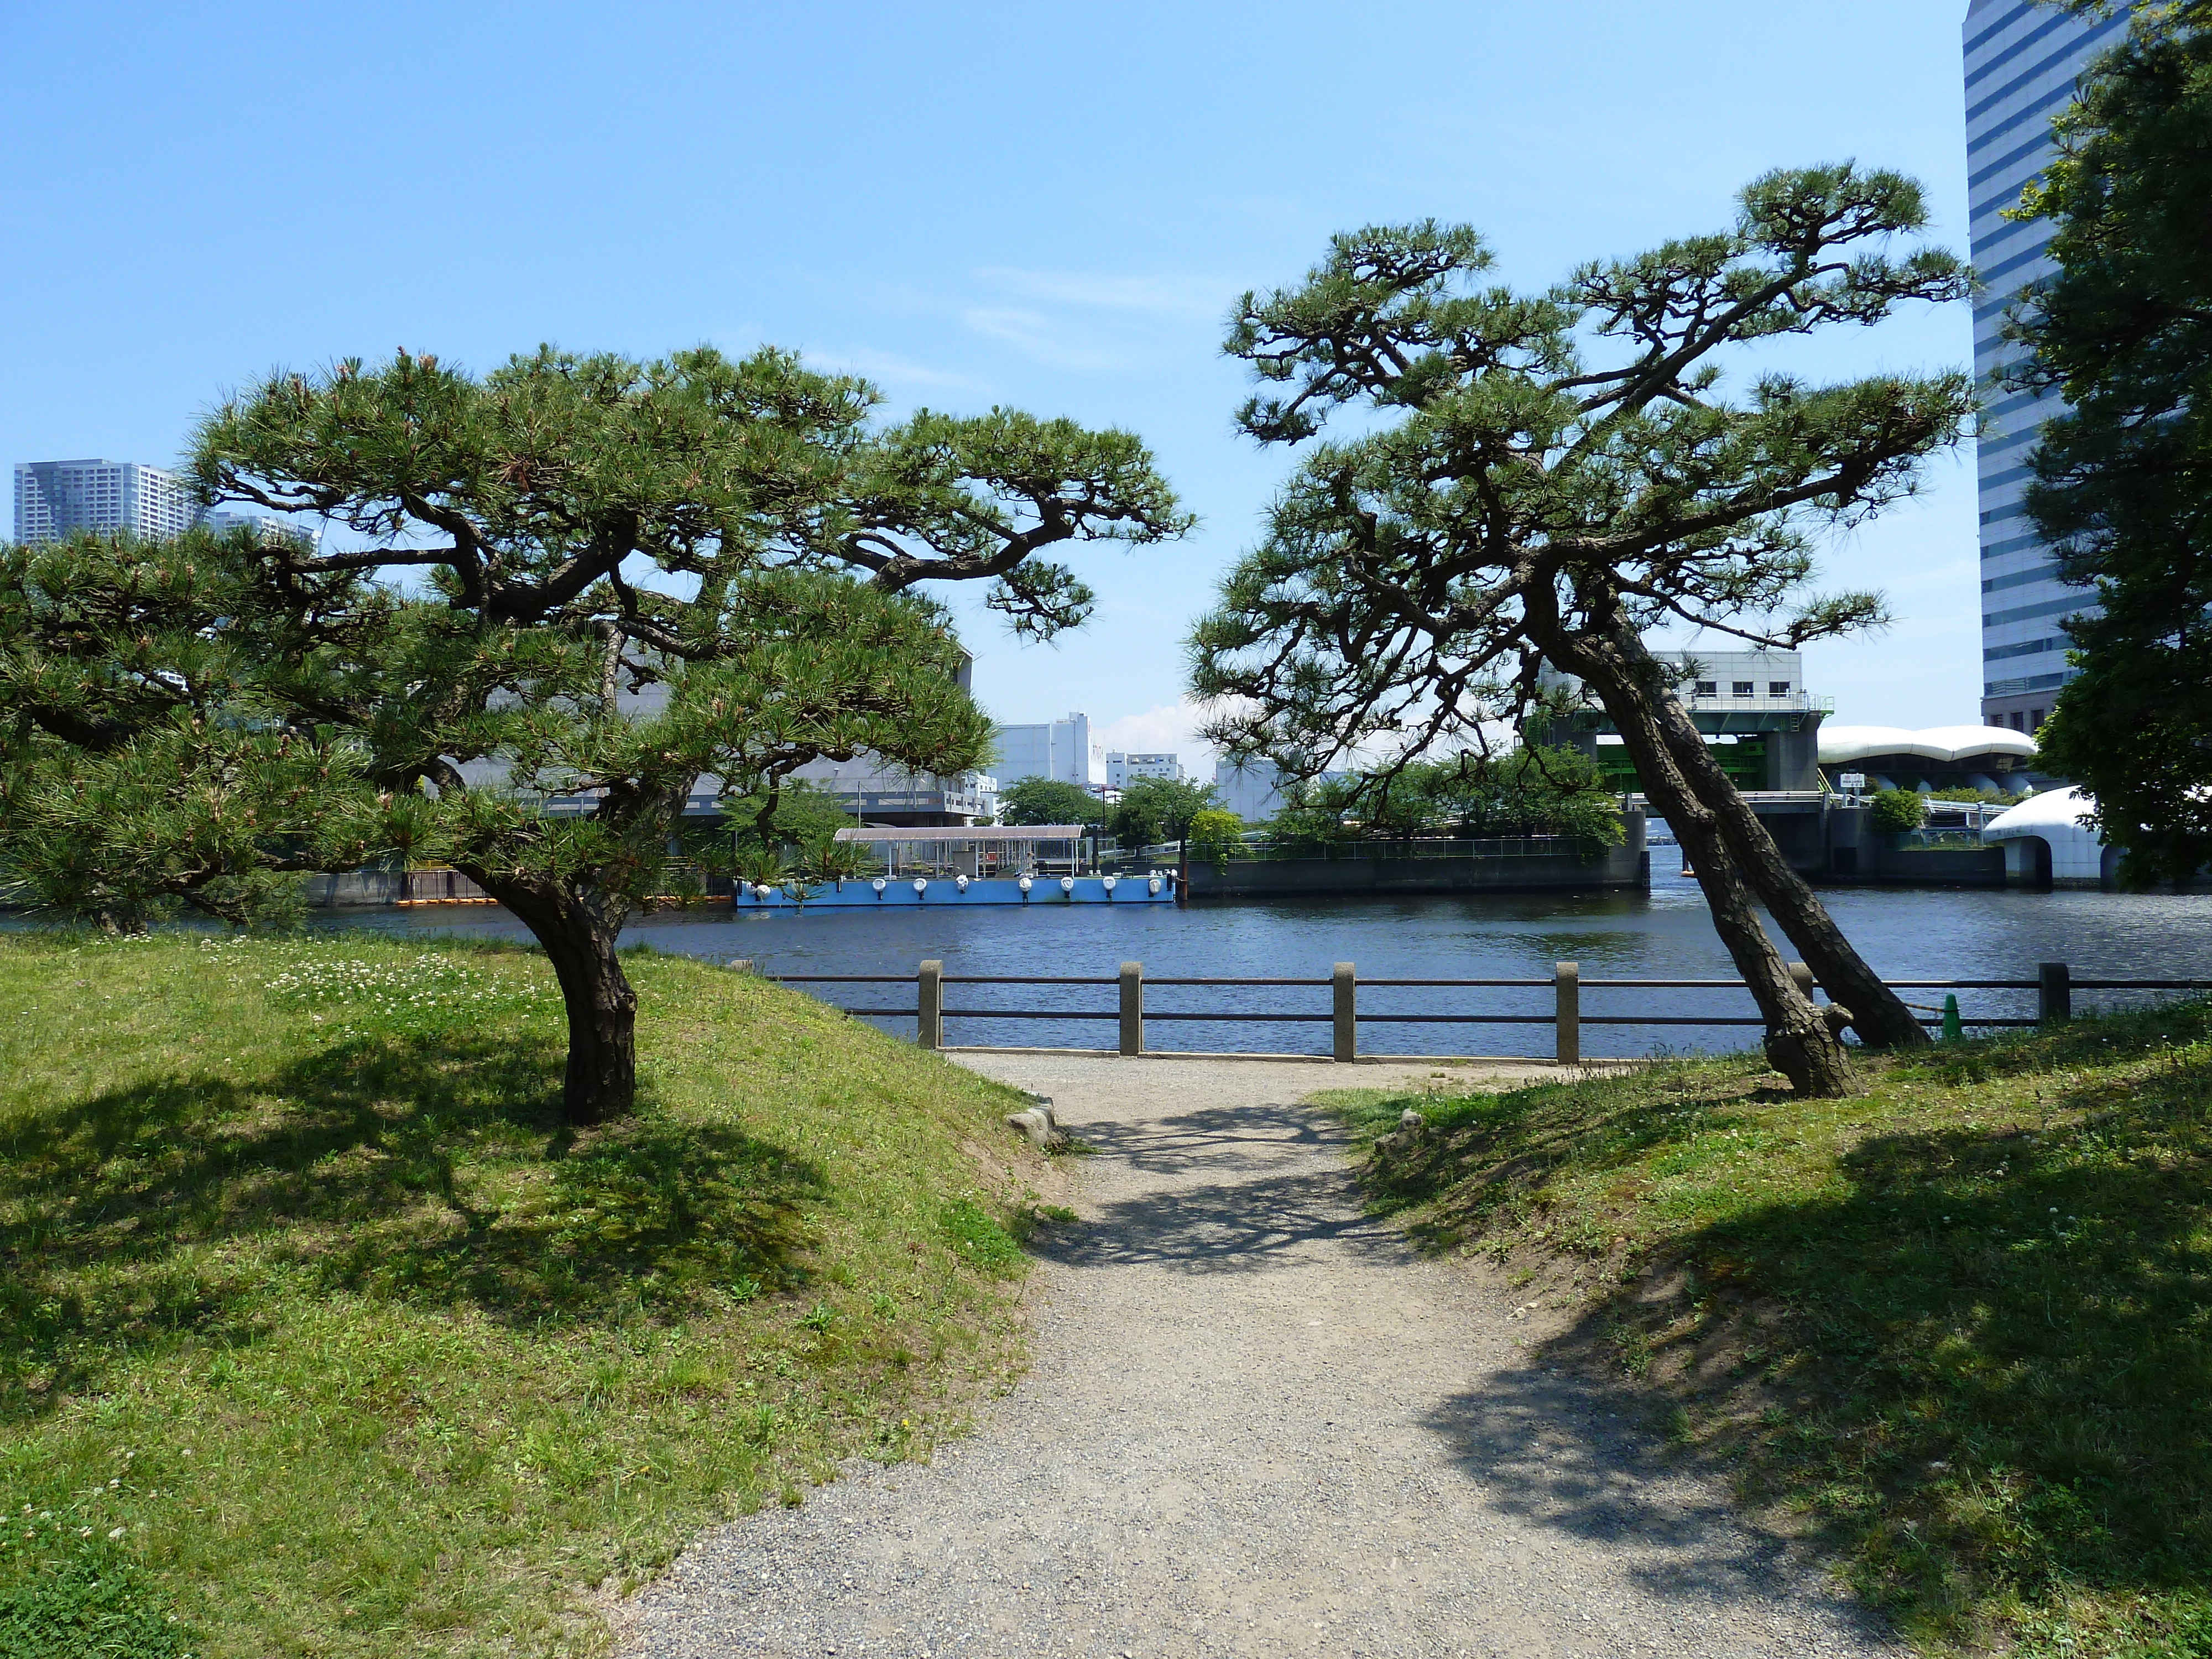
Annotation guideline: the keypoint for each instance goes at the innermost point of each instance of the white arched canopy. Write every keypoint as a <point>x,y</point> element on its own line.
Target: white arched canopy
<point>2058,818</point>
<point>1951,744</point>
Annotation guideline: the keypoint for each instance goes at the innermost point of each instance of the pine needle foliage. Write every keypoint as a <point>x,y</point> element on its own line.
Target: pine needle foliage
<point>1538,477</point>
<point>580,589</point>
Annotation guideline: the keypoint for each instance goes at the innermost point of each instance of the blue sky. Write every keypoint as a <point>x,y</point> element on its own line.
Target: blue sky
<point>1048,207</point>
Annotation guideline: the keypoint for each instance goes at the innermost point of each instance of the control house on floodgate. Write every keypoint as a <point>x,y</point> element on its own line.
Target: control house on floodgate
<point>1752,706</point>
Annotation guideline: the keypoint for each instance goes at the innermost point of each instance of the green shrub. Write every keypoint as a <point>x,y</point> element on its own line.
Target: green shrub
<point>1214,836</point>
<point>1898,809</point>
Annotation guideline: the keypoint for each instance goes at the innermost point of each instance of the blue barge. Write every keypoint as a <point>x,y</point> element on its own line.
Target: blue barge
<point>1034,864</point>
<point>863,893</point>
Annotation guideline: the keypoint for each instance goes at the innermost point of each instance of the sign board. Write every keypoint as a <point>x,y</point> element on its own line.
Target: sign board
<point>1854,782</point>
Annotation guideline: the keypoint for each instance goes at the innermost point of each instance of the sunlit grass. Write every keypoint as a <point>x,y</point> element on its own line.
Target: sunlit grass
<point>1962,1323</point>
<point>308,1299</point>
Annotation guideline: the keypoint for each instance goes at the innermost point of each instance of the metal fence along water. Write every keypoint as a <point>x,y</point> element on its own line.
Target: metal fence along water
<point>2053,989</point>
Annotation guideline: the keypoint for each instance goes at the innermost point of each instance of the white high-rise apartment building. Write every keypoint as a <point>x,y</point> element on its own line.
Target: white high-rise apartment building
<point>53,498</point>
<point>1059,750</point>
<point>2022,61</point>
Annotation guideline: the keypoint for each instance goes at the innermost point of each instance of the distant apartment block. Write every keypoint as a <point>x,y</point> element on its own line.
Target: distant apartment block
<point>1123,768</point>
<point>1059,750</point>
<point>880,792</point>
<point>268,528</point>
<point>55,498</point>
<point>2022,60</point>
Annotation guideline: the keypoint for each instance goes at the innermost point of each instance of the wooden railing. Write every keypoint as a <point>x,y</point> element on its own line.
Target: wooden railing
<point>2054,985</point>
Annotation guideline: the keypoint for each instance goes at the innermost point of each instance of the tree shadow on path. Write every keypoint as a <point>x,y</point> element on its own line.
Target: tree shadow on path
<point>1241,1190</point>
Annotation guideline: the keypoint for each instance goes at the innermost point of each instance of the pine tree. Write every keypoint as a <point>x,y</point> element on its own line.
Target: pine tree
<point>1542,478</point>
<point>592,587</point>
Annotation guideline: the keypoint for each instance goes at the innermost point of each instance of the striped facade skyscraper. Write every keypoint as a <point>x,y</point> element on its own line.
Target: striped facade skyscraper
<point>2022,61</point>
<point>53,498</point>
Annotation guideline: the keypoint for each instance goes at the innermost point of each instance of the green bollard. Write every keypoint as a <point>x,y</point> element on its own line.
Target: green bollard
<point>1953,1031</point>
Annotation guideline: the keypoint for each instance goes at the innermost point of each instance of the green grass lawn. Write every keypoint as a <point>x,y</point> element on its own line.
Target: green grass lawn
<point>1961,1324</point>
<point>320,1335</point>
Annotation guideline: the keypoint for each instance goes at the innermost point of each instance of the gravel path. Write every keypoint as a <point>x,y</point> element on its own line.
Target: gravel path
<point>1257,1425</point>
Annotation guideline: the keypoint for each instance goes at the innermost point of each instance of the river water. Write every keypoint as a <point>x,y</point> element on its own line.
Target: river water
<point>1906,933</point>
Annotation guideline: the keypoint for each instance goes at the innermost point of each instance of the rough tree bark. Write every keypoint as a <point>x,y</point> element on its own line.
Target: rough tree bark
<point>1804,1041</point>
<point>579,936</point>
<point>1878,1013</point>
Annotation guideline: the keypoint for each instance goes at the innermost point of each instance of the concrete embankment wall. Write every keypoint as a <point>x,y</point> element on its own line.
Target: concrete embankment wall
<point>359,888</point>
<point>1618,867</point>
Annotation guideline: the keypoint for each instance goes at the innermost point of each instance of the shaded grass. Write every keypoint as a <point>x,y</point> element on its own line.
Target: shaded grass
<point>304,1287</point>
<point>1962,1323</point>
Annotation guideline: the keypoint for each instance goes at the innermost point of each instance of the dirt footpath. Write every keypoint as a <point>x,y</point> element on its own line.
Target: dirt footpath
<point>1257,1425</point>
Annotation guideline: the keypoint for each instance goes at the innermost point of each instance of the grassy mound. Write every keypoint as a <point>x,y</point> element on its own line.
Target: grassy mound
<point>318,1334</point>
<point>1962,1323</point>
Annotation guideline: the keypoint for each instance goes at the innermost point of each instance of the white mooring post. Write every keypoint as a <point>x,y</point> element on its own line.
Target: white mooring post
<point>929,1005</point>
<point>1133,1007</point>
<point>1344,987</point>
<point>1803,976</point>
<point>1567,995</point>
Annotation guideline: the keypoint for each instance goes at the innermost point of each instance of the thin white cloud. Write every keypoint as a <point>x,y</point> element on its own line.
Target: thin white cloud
<point>1043,341</point>
<point>1087,322</point>
<point>890,369</point>
<point>1166,296</point>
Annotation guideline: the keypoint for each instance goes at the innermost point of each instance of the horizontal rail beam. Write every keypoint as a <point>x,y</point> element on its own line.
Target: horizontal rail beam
<point>1655,984</point>
<point>1030,979</point>
<point>1033,1013</point>
<point>844,979</point>
<point>1317,984</point>
<point>2142,984</point>
<point>1489,984</point>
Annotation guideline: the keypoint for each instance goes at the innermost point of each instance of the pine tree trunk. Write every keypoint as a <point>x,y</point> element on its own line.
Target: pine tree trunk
<point>601,1081</point>
<point>1878,1013</point>
<point>1804,1041</point>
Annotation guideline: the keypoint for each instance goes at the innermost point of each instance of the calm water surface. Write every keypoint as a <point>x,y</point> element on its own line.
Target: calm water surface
<point>1664,934</point>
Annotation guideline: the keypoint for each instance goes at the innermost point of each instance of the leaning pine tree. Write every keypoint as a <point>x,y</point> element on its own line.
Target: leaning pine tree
<point>593,587</point>
<point>1542,478</point>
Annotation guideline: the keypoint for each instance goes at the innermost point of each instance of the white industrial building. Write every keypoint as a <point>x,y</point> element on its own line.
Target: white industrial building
<point>1121,770</point>
<point>2022,59</point>
<point>1061,751</point>
<point>1252,790</point>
